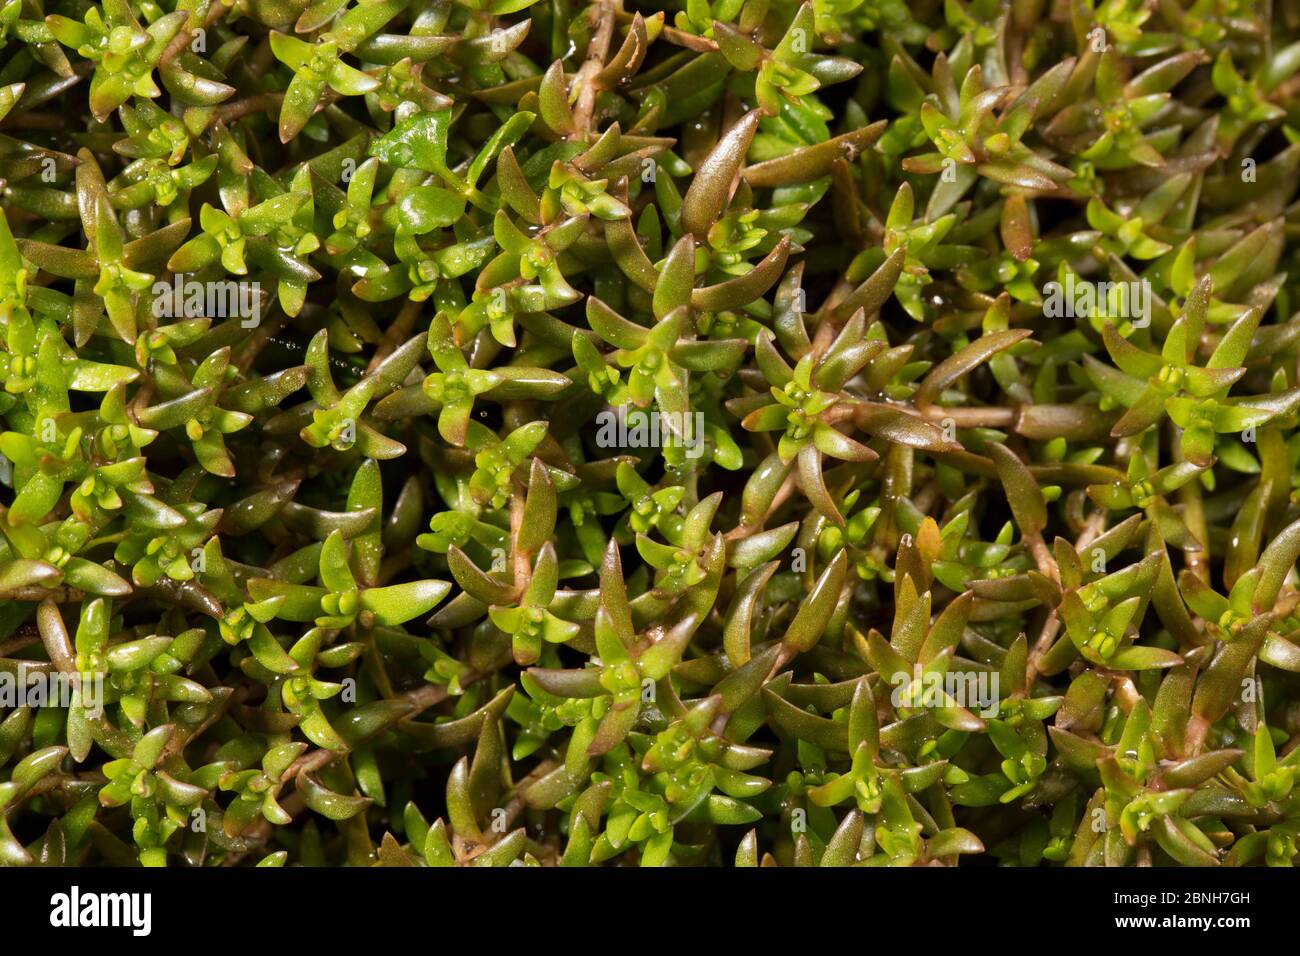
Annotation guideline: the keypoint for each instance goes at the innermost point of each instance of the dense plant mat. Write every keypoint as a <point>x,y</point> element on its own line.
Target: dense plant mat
<point>529,432</point>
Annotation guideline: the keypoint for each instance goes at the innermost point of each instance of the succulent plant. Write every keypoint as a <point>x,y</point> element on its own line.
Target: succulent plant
<point>755,432</point>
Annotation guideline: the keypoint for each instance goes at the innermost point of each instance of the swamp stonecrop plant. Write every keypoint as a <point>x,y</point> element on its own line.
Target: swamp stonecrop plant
<point>491,432</point>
